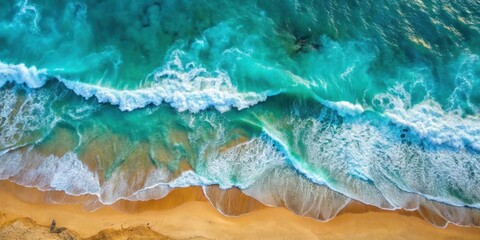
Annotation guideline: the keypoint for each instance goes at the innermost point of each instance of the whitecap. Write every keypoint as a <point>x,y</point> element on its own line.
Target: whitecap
<point>20,74</point>
<point>186,88</point>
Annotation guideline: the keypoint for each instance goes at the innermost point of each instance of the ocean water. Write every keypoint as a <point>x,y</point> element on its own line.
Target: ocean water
<point>299,103</point>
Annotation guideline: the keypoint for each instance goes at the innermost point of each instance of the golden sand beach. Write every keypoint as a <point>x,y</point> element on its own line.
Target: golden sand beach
<point>186,214</point>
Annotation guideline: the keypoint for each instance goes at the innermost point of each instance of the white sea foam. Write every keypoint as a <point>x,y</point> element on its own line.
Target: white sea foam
<point>344,108</point>
<point>66,173</point>
<point>367,156</point>
<point>430,122</point>
<point>187,88</point>
<point>317,164</point>
<point>427,119</point>
<point>184,86</point>
<point>189,178</point>
<point>282,186</point>
<point>177,95</point>
<point>22,117</point>
<point>20,74</point>
<point>241,165</point>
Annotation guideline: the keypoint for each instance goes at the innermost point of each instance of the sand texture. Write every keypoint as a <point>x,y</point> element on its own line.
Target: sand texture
<point>185,215</point>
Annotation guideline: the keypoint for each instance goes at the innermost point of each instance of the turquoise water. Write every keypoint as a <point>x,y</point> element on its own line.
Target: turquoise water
<point>303,104</point>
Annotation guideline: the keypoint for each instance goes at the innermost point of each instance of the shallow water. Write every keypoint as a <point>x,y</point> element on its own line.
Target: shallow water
<point>303,104</point>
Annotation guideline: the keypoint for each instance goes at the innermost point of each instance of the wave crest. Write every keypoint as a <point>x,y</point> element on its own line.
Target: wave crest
<point>185,87</point>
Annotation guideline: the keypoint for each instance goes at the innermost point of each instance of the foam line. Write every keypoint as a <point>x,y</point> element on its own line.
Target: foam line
<point>20,74</point>
<point>431,123</point>
<point>175,95</point>
<point>185,91</point>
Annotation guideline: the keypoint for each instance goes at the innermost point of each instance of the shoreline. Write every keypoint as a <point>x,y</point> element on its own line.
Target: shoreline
<point>186,214</point>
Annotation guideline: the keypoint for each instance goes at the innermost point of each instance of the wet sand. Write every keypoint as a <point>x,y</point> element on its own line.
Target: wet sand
<point>186,214</point>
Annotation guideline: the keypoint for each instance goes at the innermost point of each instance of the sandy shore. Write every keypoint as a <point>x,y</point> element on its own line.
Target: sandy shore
<point>185,214</point>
